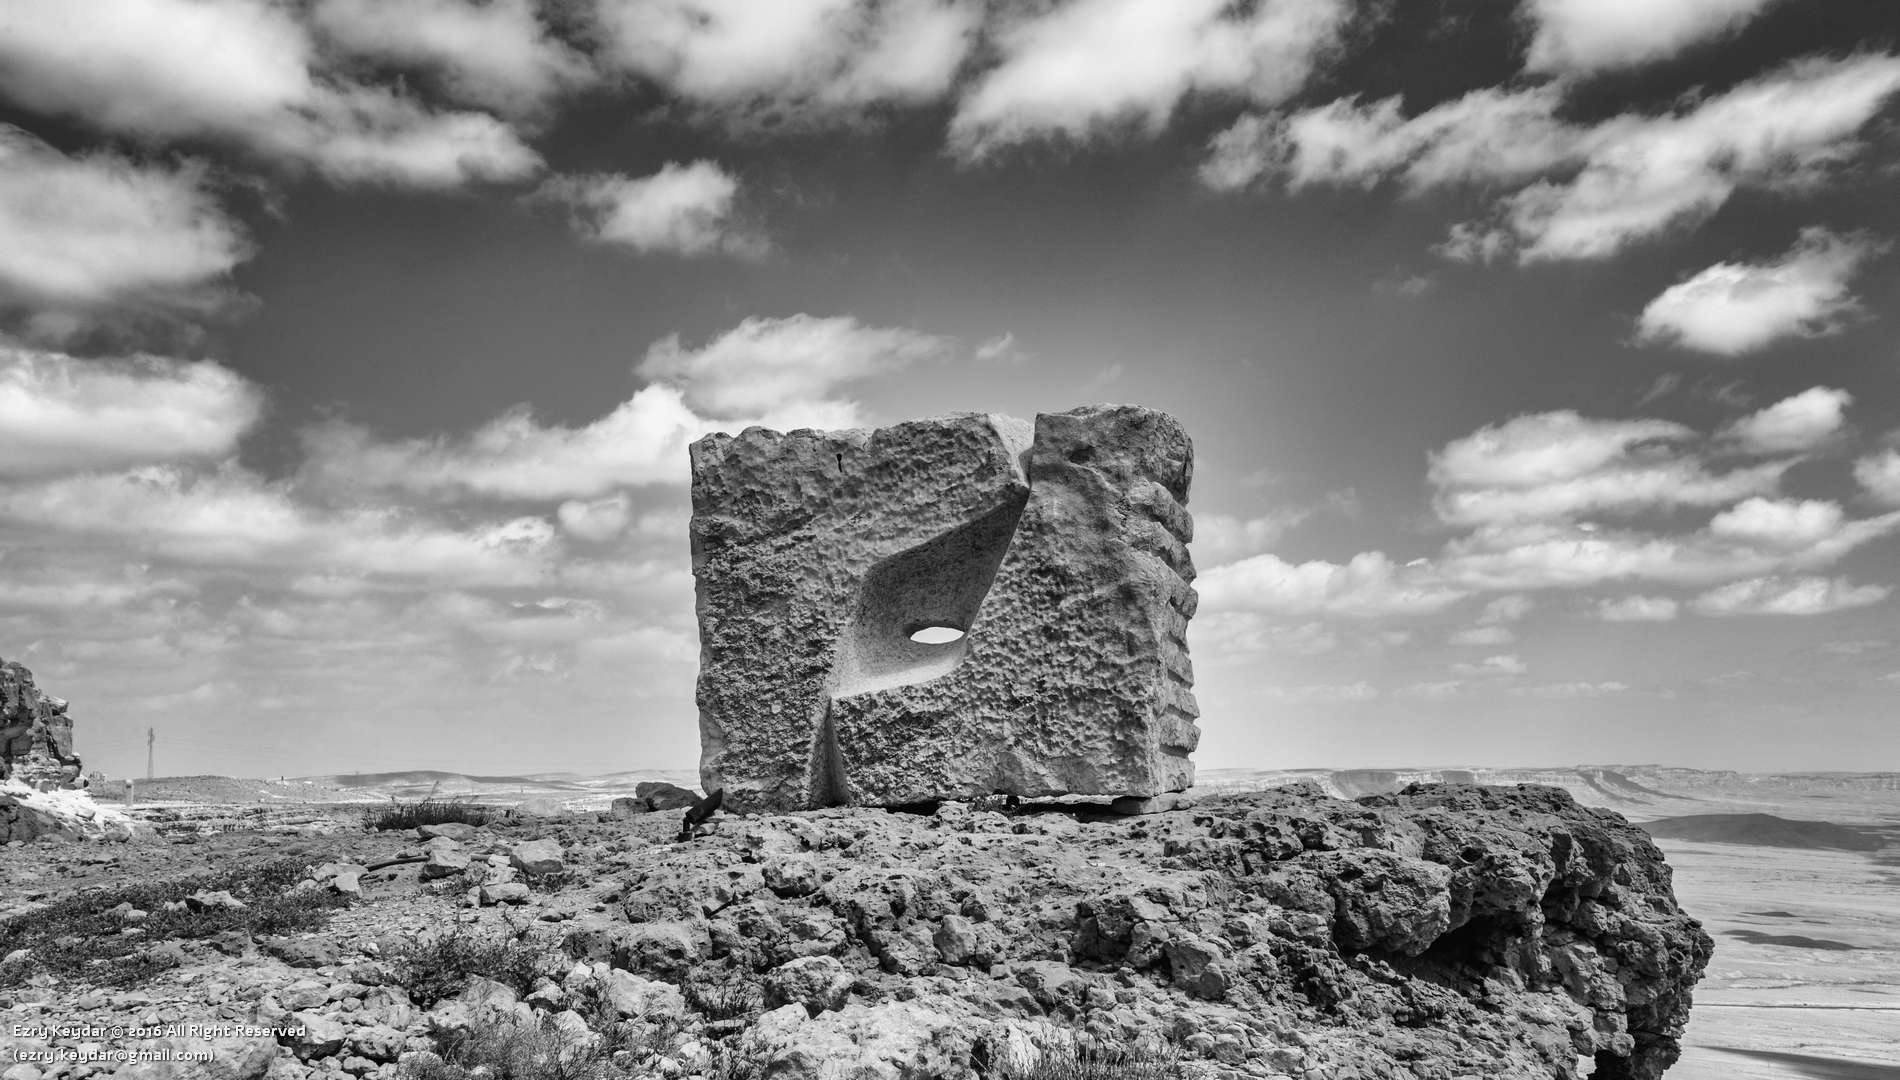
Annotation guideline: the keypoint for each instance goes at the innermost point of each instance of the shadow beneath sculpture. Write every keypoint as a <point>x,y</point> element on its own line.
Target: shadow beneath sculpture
<point>946,608</point>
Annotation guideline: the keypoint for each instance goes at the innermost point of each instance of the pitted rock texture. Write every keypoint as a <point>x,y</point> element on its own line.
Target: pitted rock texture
<point>1058,548</point>
<point>1445,931</point>
<point>36,735</point>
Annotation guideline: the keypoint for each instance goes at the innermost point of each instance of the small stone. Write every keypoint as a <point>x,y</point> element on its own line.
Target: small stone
<point>304,994</point>
<point>444,862</point>
<point>200,901</point>
<point>819,983</point>
<point>637,998</point>
<point>505,892</point>
<point>314,1035</point>
<point>537,858</point>
<point>956,940</point>
<point>460,831</point>
<point>1155,804</point>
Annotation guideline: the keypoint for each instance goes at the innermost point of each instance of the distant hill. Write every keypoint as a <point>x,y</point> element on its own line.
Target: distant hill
<point>1764,830</point>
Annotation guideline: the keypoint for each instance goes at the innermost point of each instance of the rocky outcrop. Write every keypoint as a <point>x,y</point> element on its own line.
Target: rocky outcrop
<point>1443,931</point>
<point>28,814</point>
<point>1056,550</point>
<point>36,735</point>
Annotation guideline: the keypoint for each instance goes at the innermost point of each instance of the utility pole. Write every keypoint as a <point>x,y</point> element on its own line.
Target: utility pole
<point>150,734</point>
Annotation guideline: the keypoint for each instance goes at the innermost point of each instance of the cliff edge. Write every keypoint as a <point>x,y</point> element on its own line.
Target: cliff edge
<point>1446,931</point>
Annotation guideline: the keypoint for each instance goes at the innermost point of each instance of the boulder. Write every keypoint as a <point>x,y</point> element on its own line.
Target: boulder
<point>659,795</point>
<point>1057,551</point>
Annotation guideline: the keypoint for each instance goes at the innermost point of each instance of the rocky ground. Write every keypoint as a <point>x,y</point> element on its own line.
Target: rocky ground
<point>1444,932</point>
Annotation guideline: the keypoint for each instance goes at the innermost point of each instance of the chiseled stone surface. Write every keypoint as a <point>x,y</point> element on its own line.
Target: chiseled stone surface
<point>1059,547</point>
<point>36,735</point>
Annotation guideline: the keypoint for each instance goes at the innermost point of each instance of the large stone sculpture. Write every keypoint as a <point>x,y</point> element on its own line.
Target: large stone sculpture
<point>1058,549</point>
<point>36,735</point>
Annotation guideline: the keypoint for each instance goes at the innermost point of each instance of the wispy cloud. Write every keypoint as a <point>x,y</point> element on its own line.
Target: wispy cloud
<point>1581,191</point>
<point>799,61</point>
<point>246,73</point>
<point>1637,609</point>
<point>495,54</point>
<point>1582,37</point>
<point>1789,596</point>
<point>1090,68</point>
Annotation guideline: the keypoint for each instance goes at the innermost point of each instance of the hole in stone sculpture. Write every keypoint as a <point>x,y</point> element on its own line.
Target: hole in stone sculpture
<point>936,635</point>
<point>939,584</point>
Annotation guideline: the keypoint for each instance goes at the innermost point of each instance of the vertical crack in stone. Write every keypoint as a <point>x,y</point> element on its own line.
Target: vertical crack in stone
<point>829,786</point>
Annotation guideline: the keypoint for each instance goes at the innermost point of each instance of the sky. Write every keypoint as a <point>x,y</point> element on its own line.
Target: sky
<point>1538,356</point>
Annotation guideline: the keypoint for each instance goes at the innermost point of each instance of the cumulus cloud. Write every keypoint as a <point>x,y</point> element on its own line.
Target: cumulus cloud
<point>62,414</point>
<point>495,54</point>
<point>1570,555</point>
<point>1368,585</point>
<point>1638,609</point>
<point>1789,596</point>
<point>1324,693</point>
<point>1778,523</point>
<point>83,233</point>
<point>1502,665</point>
<point>1559,465</point>
<point>233,518</point>
<point>1879,475</point>
<point>683,209</point>
<point>1221,538</point>
<point>1081,68</point>
<point>1245,636</point>
<point>799,60</point>
<point>244,72</point>
<point>1792,425</point>
<point>1506,609</point>
<point>779,373</point>
<point>515,456</point>
<point>1580,37</point>
<point>598,520</point>
<point>1572,690</point>
<point>1484,635</point>
<point>763,363</point>
<point>1736,308</point>
<point>1598,187</point>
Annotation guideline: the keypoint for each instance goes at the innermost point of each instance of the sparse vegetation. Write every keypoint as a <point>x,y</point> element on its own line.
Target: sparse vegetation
<point>722,995</point>
<point>426,811</point>
<point>82,937</point>
<point>542,1050</point>
<point>438,967</point>
<point>1081,1056</point>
